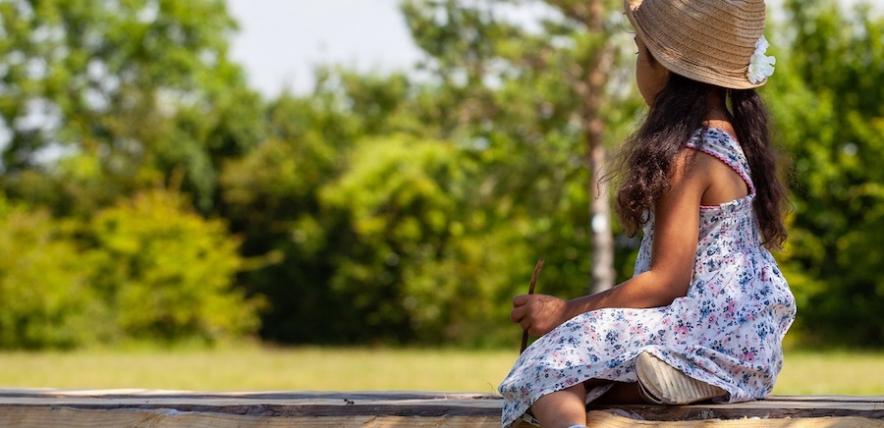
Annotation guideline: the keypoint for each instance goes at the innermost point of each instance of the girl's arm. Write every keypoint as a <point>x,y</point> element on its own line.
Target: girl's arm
<point>676,231</point>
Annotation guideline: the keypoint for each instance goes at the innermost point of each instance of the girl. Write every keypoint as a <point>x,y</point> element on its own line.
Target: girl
<point>704,315</point>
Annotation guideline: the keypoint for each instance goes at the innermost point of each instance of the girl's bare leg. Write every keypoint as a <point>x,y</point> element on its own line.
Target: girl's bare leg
<point>561,409</point>
<point>567,407</point>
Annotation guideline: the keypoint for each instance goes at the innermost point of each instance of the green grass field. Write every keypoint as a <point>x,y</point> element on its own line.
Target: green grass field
<point>252,367</point>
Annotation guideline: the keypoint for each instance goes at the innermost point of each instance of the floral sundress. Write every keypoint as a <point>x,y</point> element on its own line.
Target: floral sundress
<point>726,331</point>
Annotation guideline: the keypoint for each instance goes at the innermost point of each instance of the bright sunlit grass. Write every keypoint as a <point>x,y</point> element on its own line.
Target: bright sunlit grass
<point>252,367</point>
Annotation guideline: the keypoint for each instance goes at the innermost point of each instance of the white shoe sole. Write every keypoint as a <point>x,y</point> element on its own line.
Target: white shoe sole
<point>663,384</point>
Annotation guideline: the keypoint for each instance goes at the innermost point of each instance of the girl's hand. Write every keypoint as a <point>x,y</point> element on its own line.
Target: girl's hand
<point>539,313</point>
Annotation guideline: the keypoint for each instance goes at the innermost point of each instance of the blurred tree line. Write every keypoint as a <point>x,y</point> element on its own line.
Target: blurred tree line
<point>147,193</point>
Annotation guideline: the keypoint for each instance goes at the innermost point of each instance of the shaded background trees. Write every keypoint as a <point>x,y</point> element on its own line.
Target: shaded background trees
<point>148,193</point>
<point>830,120</point>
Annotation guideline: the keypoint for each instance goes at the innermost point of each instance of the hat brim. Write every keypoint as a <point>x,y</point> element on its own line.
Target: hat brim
<point>680,67</point>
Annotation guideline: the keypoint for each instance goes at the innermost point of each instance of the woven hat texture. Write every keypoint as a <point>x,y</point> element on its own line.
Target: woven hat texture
<point>710,41</point>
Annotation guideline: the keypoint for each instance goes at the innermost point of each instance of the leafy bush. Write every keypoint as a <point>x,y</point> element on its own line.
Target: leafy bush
<point>167,272</point>
<point>45,295</point>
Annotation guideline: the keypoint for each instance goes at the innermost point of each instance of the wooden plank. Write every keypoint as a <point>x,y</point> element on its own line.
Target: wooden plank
<point>370,395</point>
<point>40,417</point>
<point>28,417</point>
<point>43,417</point>
<point>373,395</point>
<point>373,408</point>
<point>607,419</point>
<point>862,398</point>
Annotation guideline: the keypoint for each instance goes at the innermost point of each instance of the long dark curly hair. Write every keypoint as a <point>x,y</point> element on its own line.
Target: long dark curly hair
<point>643,164</point>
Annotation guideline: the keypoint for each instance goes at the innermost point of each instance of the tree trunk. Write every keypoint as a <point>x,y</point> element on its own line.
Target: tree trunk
<point>600,223</point>
<point>599,210</point>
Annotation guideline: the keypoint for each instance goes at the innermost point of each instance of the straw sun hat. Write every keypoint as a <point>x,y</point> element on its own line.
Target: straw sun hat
<point>714,41</point>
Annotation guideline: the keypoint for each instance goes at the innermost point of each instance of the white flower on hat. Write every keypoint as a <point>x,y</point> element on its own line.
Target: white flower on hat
<point>760,65</point>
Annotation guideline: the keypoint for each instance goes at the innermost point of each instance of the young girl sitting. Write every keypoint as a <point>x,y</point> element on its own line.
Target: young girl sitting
<point>704,315</point>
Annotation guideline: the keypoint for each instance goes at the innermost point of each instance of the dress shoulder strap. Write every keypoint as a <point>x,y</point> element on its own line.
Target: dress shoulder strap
<point>718,143</point>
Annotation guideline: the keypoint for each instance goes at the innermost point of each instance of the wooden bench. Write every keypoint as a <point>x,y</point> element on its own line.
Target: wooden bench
<point>42,407</point>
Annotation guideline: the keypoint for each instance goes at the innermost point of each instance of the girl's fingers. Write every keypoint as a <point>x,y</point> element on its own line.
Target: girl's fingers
<point>525,323</point>
<point>518,313</point>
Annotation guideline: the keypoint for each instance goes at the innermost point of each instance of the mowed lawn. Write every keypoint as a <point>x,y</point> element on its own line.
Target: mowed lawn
<point>253,367</point>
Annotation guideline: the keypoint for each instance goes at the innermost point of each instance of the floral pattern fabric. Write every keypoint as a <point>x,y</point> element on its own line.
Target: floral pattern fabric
<point>726,331</point>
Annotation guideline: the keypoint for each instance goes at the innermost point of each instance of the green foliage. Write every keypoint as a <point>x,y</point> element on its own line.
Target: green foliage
<point>400,207</point>
<point>826,103</point>
<point>101,100</point>
<point>147,268</point>
<point>45,295</point>
<point>140,89</point>
<point>401,269</point>
<point>167,273</point>
<point>271,198</point>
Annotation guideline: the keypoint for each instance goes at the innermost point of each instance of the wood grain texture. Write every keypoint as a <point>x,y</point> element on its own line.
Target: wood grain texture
<point>41,407</point>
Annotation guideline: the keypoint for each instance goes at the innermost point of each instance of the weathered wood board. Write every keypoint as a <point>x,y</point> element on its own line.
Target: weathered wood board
<point>42,407</point>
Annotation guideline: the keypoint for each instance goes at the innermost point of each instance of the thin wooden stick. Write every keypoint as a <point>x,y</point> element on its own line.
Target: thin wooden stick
<point>537,268</point>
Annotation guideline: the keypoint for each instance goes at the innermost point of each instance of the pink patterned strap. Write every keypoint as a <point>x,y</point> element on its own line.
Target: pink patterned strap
<point>719,143</point>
